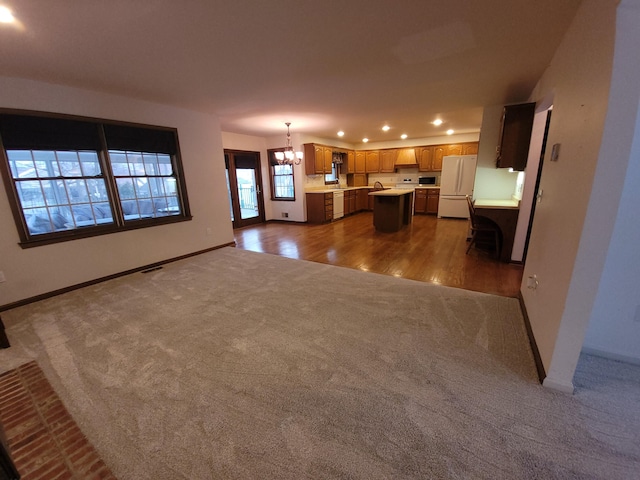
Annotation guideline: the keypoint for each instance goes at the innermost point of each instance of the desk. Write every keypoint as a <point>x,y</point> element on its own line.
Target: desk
<point>505,214</point>
<point>392,208</point>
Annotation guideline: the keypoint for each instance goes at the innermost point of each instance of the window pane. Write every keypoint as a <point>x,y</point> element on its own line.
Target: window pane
<point>90,164</point>
<point>30,193</point>
<point>69,164</point>
<point>151,164</point>
<point>46,163</point>
<point>125,188</point>
<point>119,165</point>
<point>21,164</point>
<point>142,188</point>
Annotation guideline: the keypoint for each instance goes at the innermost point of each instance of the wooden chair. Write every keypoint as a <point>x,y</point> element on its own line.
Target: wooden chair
<point>483,230</point>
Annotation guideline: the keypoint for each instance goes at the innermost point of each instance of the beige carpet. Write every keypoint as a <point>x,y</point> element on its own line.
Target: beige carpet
<point>240,365</point>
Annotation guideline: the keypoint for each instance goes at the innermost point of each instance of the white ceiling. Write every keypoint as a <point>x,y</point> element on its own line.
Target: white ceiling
<point>324,65</point>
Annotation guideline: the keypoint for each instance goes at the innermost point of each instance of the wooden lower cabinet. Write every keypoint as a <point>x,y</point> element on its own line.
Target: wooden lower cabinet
<point>420,202</point>
<point>362,199</point>
<point>350,197</point>
<point>433,198</point>
<point>427,200</point>
<point>319,207</point>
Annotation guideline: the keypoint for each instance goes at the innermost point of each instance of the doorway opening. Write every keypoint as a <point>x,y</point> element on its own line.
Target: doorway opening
<point>244,186</point>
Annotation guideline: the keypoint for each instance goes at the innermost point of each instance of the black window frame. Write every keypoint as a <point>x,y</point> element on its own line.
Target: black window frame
<point>39,131</point>
<point>273,162</point>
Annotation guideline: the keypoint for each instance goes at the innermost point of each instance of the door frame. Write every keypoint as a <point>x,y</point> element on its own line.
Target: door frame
<point>230,166</point>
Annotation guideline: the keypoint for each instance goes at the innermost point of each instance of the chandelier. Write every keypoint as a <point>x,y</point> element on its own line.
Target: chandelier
<point>289,156</point>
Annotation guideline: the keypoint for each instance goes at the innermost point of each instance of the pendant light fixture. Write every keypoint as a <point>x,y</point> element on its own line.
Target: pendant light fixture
<point>289,156</point>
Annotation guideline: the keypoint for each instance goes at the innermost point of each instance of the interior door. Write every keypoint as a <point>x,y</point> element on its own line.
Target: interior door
<point>244,185</point>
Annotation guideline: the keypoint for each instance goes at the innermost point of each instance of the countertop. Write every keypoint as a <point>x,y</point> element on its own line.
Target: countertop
<point>368,187</point>
<point>392,192</point>
<point>496,203</point>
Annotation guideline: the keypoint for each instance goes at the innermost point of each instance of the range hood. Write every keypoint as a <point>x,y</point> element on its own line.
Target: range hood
<point>406,158</point>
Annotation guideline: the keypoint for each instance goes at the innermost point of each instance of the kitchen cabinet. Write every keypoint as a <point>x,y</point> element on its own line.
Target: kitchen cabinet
<point>426,200</point>
<point>439,151</point>
<point>430,157</point>
<point>372,161</point>
<point>350,201</point>
<point>470,148</point>
<point>420,203</point>
<point>362,199</point>
<point>360,162</point>
<point>515,136</point>
<point>351,161</point>
<point>433,198</point>
<point>424,156</point>
<point>357,180</point>
<point>453,149</point>
<point>388,160</point>
<point>319,207</point>
<point>317,159</point>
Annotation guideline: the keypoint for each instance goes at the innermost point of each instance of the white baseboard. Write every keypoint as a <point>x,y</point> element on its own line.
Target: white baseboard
<point>558,386</point>
<point>611,356</point>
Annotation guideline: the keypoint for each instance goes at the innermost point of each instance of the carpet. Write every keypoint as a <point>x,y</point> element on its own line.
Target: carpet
<point>44,440</point>
<point>242,365</point>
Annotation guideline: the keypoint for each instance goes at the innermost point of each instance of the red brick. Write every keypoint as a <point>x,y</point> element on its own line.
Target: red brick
<point>47,469</point>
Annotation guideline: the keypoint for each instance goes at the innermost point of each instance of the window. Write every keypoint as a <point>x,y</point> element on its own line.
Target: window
<point>73,178</point>
<point>333,178</point>
<point>282,185</point>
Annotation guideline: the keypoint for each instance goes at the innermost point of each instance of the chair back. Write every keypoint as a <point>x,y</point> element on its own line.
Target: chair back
<point>472,212</point>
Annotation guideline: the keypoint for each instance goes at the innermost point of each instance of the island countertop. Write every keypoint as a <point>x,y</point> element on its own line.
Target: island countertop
<point>391,192</point>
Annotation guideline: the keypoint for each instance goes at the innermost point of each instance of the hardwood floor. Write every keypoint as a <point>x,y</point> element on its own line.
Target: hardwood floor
<point>429,250</point>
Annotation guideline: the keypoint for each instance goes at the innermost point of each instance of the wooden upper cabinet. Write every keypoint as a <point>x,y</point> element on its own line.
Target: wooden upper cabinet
<point>515,136</point>
<point>361,165</point>
<point>372,161</point>
<point>351,161</point>
<point>424,156</point>
<point>439,151</point>
<point>453,149</point>
<point>470,148</point>
<point>388,160</point>
<point>317,159</point>
<point>328,159</point>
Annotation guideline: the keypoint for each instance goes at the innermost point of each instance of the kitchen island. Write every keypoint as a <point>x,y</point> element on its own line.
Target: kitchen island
<point>392,208</point>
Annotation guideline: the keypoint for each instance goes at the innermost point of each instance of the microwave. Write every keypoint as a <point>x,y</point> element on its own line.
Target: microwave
<point>430,180</point>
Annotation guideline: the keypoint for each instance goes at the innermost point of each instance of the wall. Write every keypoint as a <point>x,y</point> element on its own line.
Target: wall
<point>614,323</point>
<point>38,270</point>
<point>492,182</point>
<point>578,77</point>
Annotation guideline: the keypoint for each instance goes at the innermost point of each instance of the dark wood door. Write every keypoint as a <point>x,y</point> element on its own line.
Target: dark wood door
<point>244,184</point>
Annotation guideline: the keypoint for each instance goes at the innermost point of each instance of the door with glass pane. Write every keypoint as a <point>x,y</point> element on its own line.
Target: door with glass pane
<point>244,185</point>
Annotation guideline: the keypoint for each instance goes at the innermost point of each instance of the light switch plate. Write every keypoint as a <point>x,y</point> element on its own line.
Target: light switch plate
<point>555,152</point>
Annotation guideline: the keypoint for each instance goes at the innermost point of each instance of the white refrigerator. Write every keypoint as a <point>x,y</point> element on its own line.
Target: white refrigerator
<point>456,182</point>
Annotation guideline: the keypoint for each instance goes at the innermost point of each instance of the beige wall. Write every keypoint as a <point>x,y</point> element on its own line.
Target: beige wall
<point>38,270</point>
<point>578,78</point>
<point>612,220</point>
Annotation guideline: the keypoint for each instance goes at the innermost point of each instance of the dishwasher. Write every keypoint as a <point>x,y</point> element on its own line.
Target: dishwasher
<point>338,204</point>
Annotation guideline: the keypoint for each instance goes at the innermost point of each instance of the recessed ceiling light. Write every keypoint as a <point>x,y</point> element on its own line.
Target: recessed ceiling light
<point>403,136</point>
<point>386,128</point>
<point>365,140</point>
<point>6,16</point>
<point>450,132</point>
<point>341,133</point>
<point>437,122</point>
